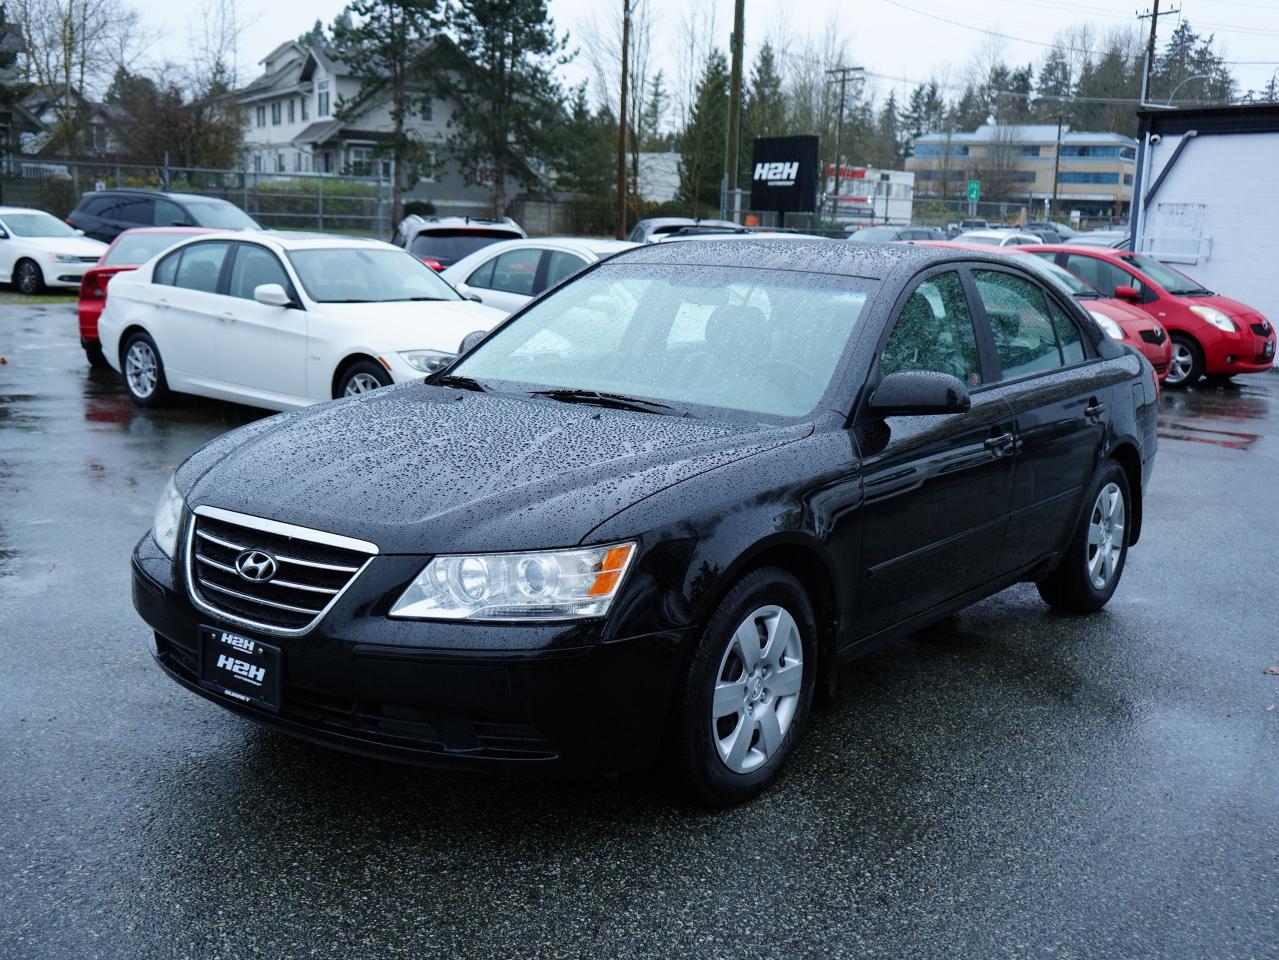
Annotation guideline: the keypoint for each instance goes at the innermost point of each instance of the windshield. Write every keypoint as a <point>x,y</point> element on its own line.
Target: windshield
<point>1174,281</point>
<point>223,216</point>
<point>1064,277</point>
<point>447,247</point>
<point>36,224</point>
<point>352,275</point>
<point>755,341</point>
<point>132,249</point>
<point>874,233</point>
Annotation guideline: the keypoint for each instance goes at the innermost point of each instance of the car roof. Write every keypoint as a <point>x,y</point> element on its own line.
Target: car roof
<point>142,191</point>
<point>291,240</point>
<point>871,260</point>
<point>1091,249</point>
<point>4,210</point>
<point>191,230</point>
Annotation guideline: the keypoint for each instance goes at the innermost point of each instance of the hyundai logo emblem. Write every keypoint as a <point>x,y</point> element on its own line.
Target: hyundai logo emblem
<point>255,565</point>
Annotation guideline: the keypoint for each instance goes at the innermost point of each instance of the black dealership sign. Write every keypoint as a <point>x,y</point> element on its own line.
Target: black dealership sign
<point>784,174</point>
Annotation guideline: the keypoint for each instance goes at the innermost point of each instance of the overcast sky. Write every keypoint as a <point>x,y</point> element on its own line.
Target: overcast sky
<point>885,37</point>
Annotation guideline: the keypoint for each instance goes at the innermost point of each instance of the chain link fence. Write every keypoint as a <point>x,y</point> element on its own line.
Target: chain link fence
<point>287,201</point>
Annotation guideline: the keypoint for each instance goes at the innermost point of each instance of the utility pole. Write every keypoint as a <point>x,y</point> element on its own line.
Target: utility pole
<point>732,156</point>
<point>841,74</point>
<point>1153,16</point>
<point>1056,164</point>
<point>620,214</point>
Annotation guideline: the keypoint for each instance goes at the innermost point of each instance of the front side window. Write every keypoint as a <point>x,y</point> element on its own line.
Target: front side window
<point>754,341</point>
<point>934,332</point>
<point>515,271</point>
<point>353,275</point>
<point>201,265</point>
<point>253,266</point>
<point>169,214</point>
<point>1024,336</point>
<point>1102,274</point>
<point>220,215</point>
<point>1072,345</point>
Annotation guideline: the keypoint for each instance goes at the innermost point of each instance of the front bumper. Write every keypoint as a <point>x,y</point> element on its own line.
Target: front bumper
<point>1242,352</point>
<point>548,699</point>
<point>64,274</point>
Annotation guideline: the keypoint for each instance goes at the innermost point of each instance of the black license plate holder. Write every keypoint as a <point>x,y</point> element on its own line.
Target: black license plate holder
<point>240,667</point>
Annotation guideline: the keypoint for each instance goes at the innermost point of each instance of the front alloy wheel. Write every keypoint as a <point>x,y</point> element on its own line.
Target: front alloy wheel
<point>1186,365</point>
<point>362,376</point>
<point>28,277</point>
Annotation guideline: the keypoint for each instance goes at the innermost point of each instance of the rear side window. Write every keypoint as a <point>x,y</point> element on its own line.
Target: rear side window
<point>254,266</point>
<point>137,210</point>
<point>515,271</point>
<point>201,265</point>
<point>1024,336</point>
<point>560,265</point>
<point>1101,274</point>
<point>1072,345</point>
<point>934,331</point>
<point>167,269</point>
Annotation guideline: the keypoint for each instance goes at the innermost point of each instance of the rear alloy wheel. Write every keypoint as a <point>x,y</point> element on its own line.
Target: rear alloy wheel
<point>1090,570</point>
<point>28,278</point>
<point>143,371</point>
<point>1187,363</point>
<point>748,689</point>
<point>362,377</point>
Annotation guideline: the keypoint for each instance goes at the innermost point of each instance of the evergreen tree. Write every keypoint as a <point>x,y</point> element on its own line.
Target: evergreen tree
<point>1055,82</point>
<point>587,162</point>
<point>971,111</point>
<point>890,147</point>
<point>502,72</point>
<point>763,109</point>
<point>701,164</point>
<point>654,115</point>
<point>380,40</point>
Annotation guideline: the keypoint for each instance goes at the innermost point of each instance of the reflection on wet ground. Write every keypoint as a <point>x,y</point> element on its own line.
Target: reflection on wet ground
<point>1008,783</point>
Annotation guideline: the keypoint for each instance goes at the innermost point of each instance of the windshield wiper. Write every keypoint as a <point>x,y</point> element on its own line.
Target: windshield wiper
<point>1087,295</point>
<point>462,383</point>
<point>415,299</point>
<point>1196,292</point>
<point>614,400</point>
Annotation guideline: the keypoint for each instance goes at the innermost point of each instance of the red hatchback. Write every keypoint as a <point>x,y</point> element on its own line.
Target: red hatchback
<point>128,251</point>
<point>1212,335</point>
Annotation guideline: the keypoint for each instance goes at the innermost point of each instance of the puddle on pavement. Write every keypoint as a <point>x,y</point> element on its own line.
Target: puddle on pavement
<point>1230,439</point>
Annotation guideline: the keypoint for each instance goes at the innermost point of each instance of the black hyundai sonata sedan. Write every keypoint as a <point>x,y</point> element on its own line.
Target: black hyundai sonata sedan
<point>652,513</point>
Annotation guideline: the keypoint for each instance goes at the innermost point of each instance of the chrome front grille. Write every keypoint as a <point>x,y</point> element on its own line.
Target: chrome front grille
<point>312,569</point>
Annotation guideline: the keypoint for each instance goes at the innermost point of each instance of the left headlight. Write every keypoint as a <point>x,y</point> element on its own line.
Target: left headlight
<point>428,361</point>
<point>1215,317</point>
<point>168,518</point>
<point>1113,330</point>
<point>541,585</point>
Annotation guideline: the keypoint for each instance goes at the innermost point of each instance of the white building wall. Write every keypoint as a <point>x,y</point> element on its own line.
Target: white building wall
<point>1216,216</point>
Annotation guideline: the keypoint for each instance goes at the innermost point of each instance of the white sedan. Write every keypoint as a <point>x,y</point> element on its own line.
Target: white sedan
<point>38,250</point>
<point>510,273</point>
<point>281,321</point>
<point>998,238</point>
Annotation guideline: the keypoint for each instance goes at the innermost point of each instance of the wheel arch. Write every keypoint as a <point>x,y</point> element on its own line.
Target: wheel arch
<point>125,334</point>
<point>1125,453</point>
<point>355,356</point>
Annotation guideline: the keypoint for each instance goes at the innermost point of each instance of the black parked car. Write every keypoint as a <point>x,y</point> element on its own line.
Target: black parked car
<point>105,214</point>
<point>654,510</point>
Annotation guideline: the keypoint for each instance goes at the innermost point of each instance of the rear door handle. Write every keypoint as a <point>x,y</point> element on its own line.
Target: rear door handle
<point>161,302</point>
<point>228,317</point>
<point>1094,409</point>
<point>1000,444</point>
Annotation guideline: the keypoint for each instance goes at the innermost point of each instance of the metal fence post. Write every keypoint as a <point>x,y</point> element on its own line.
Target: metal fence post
<point>319,195</point>
<point>164,177</point>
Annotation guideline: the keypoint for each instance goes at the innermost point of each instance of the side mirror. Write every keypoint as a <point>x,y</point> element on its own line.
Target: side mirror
<point>4,235</point>
<point>272,295</point>
<point>79,232</point>
<point>1126,292</point>
<point>919,393</point>
<point>466,293</point>
<point>471,339</point>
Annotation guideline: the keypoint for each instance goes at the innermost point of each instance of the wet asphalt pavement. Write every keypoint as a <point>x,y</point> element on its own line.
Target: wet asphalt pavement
<point>1011,784</point>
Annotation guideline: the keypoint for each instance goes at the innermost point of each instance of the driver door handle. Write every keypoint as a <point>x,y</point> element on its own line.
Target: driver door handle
<point>1094,409</point>
<point>999,445</point>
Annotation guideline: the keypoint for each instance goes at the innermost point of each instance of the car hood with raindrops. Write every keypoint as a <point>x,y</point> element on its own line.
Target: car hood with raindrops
<point>423,469</point>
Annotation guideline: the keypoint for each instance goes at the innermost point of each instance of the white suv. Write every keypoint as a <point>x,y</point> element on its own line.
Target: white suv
<point>282,320</point>
<point>440,242</point>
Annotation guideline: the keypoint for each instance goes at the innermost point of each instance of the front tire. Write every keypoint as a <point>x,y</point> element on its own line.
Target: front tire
<point>361,377</point>
<point>143,370</point>
<point>28,277</point>
<point>748,689</point>
<point>1088,574</point>
<point>1186,365</point>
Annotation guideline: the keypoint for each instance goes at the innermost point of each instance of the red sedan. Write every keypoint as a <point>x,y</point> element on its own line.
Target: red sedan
<point>128,251</point>
<point>1120,320</point>
<point>1212,335</point>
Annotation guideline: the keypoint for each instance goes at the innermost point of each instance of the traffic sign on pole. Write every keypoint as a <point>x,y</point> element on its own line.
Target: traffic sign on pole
<point>974,191</point>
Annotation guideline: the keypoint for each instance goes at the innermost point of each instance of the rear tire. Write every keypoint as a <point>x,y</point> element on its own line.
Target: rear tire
<point>1088,574</point>
<point>748,689</point>
<point>1187,363</point>
<point>361,377</point>
<point>143,370</point>
<point>28,277</point>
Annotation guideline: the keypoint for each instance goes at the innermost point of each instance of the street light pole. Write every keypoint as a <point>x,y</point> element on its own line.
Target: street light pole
<point>733,154</point>
<point>620,212</point>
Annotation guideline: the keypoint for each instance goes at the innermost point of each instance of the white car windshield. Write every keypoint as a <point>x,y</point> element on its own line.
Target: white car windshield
<point>352,275</point>
<point>36,224</point>
<point>755,341</point>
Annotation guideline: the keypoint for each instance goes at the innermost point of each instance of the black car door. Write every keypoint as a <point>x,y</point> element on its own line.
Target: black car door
<point>936,488</point>
<point>1059,391</point>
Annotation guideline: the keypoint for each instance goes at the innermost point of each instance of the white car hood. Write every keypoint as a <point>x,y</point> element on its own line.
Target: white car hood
<point>71,246</point>
<point>416,325</point>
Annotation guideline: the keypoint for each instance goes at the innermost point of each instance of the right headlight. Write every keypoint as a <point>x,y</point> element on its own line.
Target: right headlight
<point>168,518</point>
<point>1113,330</point>
<point>514,587</point>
